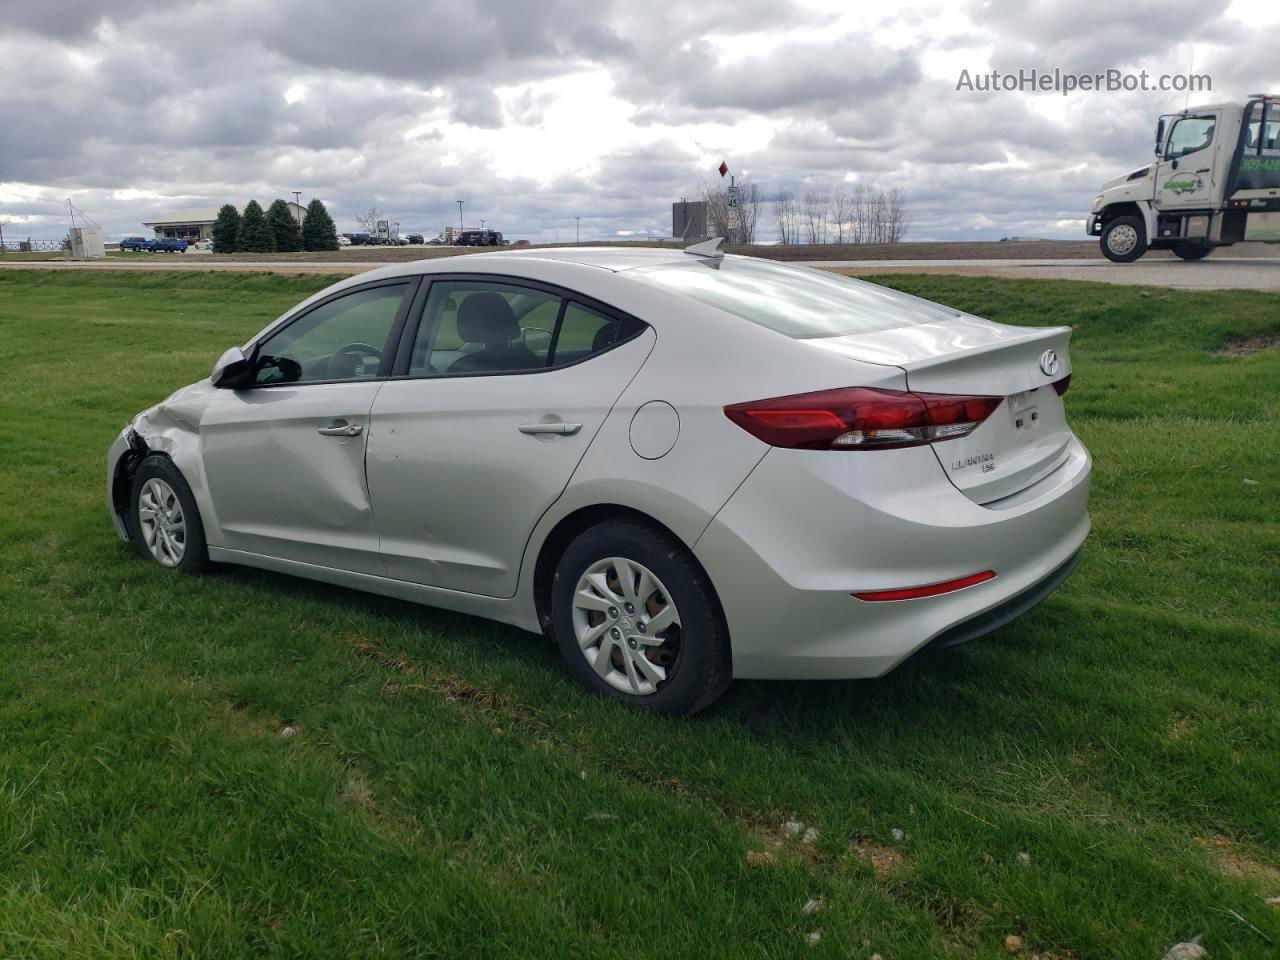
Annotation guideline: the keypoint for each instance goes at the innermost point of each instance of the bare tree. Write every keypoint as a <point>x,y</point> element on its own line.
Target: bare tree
<point>786,214</point>
<point>369,219</point>
<point>840,204</point>
<point>897,218</point>
<point>750,201</point>
<point>815,215</point>
<point>735,224</point>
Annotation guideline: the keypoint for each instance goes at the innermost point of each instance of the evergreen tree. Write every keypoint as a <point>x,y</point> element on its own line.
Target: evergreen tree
<point>318,231</point>
<point>255,233</point>
<point>225,229</point>
<point>285,229</point>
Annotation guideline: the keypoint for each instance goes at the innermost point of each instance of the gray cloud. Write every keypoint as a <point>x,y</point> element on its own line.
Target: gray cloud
<point>409,104</point>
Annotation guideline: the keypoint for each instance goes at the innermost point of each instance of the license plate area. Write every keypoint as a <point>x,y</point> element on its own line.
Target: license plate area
<point>1023,411</point>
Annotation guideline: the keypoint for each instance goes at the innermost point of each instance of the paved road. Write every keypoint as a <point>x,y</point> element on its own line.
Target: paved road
<point>1217,272</point>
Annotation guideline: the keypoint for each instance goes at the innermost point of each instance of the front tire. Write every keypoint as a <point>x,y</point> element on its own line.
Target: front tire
<point>637,620</point>
<point>1192,251</point>
<point>164,522</point>
<point>1124,239</point>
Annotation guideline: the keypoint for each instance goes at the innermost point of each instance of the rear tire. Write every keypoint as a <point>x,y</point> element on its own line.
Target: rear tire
<point>164,521</point>
<point>1192,251</point>
<point>1124,239</point>
<point>601,622</point>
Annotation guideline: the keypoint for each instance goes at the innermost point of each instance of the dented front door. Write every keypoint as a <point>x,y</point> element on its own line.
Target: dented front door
<point>285,471</point>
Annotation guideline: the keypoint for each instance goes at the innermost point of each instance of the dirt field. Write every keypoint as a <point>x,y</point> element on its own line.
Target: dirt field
<point>828,252</point>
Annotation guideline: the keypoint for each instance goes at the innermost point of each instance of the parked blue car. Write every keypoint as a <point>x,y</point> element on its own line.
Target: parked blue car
<point>159,245</point>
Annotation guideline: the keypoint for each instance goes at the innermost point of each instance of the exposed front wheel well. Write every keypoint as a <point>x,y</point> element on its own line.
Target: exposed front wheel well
<point>1121,210</point>
<point>126,467</point>
<point>564,533</point>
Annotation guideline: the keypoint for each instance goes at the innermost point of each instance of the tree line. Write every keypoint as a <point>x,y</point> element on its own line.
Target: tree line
<point>857,214</point>
<point>275,231</point>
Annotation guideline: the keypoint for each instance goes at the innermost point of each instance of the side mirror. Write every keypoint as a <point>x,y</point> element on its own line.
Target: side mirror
<point>229,368</point>
<point>1159,135</point>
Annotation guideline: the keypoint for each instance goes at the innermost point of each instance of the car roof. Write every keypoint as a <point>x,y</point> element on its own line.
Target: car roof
<point>605,258</point>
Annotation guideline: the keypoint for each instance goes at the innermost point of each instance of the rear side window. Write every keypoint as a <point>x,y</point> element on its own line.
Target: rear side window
<point>475,327</point>
<point>799,302</point>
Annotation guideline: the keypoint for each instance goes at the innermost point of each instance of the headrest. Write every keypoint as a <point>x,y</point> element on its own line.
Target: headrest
<point>604,337</point>
<point>487,318</point>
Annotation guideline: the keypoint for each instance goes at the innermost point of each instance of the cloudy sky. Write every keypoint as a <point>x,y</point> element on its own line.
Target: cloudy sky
<point>537,112</point>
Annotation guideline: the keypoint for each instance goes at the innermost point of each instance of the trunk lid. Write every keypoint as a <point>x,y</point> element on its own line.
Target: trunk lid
<point>1027,437</point>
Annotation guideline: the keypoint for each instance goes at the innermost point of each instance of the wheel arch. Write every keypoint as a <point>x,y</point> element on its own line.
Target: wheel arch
<point>581,519</point>
<point>125,468</point>
<point>1131,208</point>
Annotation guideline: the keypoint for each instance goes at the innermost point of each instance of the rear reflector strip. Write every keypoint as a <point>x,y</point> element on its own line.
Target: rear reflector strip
<point>932,590</point>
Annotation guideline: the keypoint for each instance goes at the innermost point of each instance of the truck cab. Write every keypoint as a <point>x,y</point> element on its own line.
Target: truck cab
<point>1214,181</point>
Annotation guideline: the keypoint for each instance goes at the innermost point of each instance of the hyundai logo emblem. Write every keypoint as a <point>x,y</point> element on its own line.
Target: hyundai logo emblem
<point>1049,363</point>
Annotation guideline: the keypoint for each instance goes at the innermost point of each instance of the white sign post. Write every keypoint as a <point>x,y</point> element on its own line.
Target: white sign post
<point>735,219</point>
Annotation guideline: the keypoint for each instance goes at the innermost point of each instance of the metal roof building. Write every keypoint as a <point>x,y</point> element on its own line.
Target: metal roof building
<point>198,221</point>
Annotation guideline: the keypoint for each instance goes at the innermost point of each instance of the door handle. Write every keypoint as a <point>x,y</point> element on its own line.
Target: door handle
<point>558,427</point>
<point>340,428</point>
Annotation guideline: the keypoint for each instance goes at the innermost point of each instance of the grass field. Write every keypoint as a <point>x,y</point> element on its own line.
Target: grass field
<point>249,765</point>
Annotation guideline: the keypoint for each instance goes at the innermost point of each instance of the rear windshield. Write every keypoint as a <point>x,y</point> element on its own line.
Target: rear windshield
<point>800,302</point>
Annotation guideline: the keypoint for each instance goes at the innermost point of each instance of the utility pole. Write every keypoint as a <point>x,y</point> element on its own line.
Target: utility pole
<point>297,199</point>
<point>460,226</point>
<point>577,229</point>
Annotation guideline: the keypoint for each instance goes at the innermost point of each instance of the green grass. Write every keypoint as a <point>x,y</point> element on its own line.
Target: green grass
<point>450,793</point>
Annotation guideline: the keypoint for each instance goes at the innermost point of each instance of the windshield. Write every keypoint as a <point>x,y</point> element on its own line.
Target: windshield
<point>800,302</point>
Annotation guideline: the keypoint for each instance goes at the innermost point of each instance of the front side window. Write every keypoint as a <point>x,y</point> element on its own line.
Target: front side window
<point>343,339</point>
<point>1189,135</point>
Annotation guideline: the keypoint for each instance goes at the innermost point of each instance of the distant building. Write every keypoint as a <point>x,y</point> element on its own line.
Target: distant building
<point>689,219</point>
<point>198,221</point>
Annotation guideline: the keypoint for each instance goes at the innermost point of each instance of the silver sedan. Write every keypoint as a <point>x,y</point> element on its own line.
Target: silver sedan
<point>683,467</point>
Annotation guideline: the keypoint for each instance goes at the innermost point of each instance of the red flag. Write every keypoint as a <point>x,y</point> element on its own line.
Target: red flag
<point>724,168</point>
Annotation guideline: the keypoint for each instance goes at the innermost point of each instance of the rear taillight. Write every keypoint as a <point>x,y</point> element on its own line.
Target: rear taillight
<point>1061,385</point>
<point>930,590</point>
<point>861,418</point>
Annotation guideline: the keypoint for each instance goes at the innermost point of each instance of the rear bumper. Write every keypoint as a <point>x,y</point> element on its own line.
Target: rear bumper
<point>1007,612</point>
<point>807,529</point>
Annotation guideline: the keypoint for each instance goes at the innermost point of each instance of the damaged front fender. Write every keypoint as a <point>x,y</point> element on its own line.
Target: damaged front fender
<point>170,428</point>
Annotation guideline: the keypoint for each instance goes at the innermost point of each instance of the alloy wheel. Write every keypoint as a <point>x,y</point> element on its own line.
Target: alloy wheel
<point>627,625</point>
<point>163,526</point>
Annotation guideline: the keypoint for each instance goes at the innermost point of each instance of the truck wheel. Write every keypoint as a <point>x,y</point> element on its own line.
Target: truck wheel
<point>1124,239</point>
<point>1192,251</point>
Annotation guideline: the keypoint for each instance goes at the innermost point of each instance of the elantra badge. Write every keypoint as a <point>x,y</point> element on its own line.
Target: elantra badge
<point>1049,363</point>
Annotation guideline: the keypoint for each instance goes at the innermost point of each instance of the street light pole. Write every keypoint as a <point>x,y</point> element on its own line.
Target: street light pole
<point>460,226</point>
<point>577,229</point>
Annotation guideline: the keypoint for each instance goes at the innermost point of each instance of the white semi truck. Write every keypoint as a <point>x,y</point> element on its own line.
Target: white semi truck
<point>1215,181</point>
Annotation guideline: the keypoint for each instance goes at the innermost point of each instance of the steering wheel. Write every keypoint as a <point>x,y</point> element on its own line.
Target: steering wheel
<point>349,355</point>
